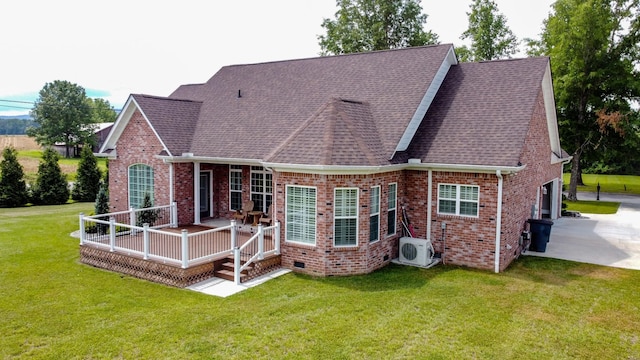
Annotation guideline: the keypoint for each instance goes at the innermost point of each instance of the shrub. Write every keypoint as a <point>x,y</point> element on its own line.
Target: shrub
<point>13,189</point>
<point>88,179</point>
<point>51,186</point>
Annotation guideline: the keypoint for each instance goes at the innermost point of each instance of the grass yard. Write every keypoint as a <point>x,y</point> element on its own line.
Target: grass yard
<point>56,308</point>
<point>623,184</point>
<point>593,207</point>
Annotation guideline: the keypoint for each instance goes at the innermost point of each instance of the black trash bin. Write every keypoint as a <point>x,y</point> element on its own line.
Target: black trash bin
<point>540,231</point>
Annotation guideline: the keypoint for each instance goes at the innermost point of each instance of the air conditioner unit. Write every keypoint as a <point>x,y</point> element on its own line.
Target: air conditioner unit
<point>414,251</point>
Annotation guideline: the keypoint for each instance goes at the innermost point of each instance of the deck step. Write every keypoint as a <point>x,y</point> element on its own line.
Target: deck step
<point>228,275</point>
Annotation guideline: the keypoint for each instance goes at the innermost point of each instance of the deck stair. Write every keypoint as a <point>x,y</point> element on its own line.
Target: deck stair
<point>224,270</point>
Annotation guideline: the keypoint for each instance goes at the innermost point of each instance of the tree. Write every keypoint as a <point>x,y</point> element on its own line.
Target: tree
<point>63,115</point>
<point>368,25</point>
<point>594,47</point>
<point>490,36</point>
<point>147,216</point>
<point>88,179</point>
<point>13,189</point>
<point>102,207</point>
<point>101,111</point>
<point>51,184</point>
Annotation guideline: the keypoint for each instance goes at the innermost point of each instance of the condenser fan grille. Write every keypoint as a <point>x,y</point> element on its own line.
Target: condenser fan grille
<point>409,251</point>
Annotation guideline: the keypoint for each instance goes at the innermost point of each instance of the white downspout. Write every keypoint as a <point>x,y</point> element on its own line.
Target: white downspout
<point>196,192</point>
<point>498,221</point>
<point>429,189</point>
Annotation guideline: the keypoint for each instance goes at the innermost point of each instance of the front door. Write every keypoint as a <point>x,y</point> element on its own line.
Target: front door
<point>205,194</point>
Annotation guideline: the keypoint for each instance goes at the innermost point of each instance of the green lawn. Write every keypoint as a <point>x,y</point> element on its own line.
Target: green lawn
<point>53,307</point>
<point>625,184</point>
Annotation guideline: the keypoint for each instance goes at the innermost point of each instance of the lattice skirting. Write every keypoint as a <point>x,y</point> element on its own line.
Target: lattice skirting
<point>146,269</point>
<point>263,267</point>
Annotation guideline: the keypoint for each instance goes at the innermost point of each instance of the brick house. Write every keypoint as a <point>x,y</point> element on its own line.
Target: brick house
<point>340,145</point>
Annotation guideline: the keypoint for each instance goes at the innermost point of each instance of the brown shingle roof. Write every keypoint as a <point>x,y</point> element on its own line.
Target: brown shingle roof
<point>278,97</point>
<point>481,114</point>
<point>173,120</point>
<point>342,132</point>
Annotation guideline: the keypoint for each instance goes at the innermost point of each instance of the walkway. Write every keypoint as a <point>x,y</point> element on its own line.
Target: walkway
<point>610,240</point>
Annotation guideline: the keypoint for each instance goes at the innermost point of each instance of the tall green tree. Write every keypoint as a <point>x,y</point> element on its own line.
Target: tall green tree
<point>63,115</point>
<point>368,25</point>
<point>594,47</point>
<point>88,179</point>
<point>490,36</point>
<point>101,111</point>
<point>51,186</point>
<point>13,189</point>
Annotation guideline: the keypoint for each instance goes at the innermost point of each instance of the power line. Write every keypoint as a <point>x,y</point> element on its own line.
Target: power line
<point>15,107</point>
<point>17,101</point>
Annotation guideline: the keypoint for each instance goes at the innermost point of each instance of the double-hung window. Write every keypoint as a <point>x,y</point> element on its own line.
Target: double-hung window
<point>374,214</point>
<point>235,187</point>
<point>261,188</point>
<point>392,208</point>
<point>461,200</point>
<point>345,217</point>
<point>140,183</point>
<point>301,214</point>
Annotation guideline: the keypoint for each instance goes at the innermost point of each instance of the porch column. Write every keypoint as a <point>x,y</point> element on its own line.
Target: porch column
<point>171,180</point>
<point>196,192</point>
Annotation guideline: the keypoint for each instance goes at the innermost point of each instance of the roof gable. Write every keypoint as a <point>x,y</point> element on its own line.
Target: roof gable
<point>481,114</point>
<point>171,120</point>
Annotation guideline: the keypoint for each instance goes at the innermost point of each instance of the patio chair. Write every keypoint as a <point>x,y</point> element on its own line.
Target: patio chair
<point>242,213</point>
<point>268,217</point>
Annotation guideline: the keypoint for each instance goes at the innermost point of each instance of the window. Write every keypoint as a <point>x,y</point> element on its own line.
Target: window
<point>374,215</point>
<point>392,208</point>
<point>235,187</point>
<point>261,188</point>
<point>345,217</point>
<point>301,214</point>
<point>458,199</point>
<point>140,183</point>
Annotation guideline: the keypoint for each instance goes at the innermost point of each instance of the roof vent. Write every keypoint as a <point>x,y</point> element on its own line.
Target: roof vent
<point>239,93</point>
<point>414,161</point>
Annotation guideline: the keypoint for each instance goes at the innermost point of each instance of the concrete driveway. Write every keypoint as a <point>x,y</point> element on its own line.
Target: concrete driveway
<point>610,240</point>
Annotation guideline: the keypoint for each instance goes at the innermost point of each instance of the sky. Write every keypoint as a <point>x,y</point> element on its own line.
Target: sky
<point>116,48</point>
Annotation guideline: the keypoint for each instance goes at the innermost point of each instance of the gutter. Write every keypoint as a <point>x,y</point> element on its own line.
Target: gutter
<point>498,221</point>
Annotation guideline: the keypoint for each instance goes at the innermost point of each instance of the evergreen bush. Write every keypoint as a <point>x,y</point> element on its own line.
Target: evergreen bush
<point>51,186</point>
<point>88,180</point>
<point>13,189</point>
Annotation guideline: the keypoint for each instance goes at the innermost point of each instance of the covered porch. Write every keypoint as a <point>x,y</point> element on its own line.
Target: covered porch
<point>148,243</point>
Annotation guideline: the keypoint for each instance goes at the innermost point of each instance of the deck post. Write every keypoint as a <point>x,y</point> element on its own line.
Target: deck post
<point>233,235</point>
<point>82,228</point>
<point>236,265</point>
<point>276,237</point>
<point>185,248</point>
<point>112,234</point>
<point>132,219</point>
<point>260,242</point>
<point>174,214</point>
<point>146,240</point>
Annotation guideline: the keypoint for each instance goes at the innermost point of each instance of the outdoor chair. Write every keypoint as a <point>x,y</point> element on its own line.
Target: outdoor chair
<point>268,217</point>
<point>244,212</point>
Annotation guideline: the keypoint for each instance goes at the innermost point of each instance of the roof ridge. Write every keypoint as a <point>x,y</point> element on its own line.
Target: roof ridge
<point>364,53</point>
<point>166,98</point>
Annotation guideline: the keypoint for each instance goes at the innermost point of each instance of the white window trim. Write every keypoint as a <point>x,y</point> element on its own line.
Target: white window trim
<point>394,208</point>
<point>355,217</point>
<point>232,170</point>
<point>457,199</point>
<point>286,215</point>
<point>372,214</point>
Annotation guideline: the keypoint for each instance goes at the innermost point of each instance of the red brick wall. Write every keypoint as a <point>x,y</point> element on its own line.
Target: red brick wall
<point>137,145</point>
<point>323,258</point>
<point>520,190</point>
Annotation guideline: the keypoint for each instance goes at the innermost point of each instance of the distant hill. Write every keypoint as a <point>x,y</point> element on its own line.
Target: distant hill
<point>19,117</point>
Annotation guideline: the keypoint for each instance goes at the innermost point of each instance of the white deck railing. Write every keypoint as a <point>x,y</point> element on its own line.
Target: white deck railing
<point>122,232</point>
